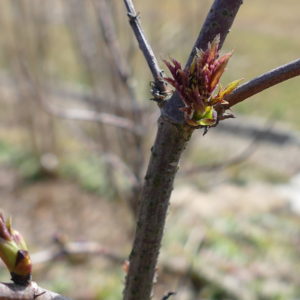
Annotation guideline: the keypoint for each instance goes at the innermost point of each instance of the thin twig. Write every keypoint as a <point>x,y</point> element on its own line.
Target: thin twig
<point>107,26</point>
<point>213,167</point>
<point>239,158</point>
<point>145,47</point>
<point>92,116</point>
<point>119,61</point>
<point>118,164</point>
<point>263,82</point>
<point>73,250</point>
<point>85,40</point>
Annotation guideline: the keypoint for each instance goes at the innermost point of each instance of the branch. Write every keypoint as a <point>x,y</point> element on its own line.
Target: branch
<point>171,139</point>
<point>263,82</point>
<point>119,164</point>
<point>11,291</point>
<point>92,116</point>
<point>73,250</point>
<point>145,47</point>
<point>105,20</point>
<point>239,158</point>
<point>213,167</point>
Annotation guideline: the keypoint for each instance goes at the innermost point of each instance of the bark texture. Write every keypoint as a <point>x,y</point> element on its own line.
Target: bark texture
<point>169,144</point>
<point>171,139</point>
<point>218,21</point>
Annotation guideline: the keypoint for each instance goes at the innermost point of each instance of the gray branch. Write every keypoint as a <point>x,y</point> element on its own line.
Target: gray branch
<point>171,139</point>
<point>264,81</point>
<point>72,250</point>
<point>105,19</point>
<point>145,47</point>
<point>92,116</point>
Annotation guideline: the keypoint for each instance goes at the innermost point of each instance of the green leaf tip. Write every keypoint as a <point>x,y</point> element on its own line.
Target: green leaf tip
<point>14,252</point>
<point>197,85</point>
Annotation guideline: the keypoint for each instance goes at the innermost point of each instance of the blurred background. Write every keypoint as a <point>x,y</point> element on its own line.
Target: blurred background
<point>76,127</point>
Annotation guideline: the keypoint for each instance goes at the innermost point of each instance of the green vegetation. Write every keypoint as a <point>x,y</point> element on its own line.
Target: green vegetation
<point>257,246</point>
<point>87,170</point>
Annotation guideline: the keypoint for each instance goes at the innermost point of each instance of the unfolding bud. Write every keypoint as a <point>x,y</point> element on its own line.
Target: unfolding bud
<point>14,253</point>
<point>197,83</point>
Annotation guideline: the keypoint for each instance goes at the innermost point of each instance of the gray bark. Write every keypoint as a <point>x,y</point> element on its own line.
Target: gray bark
<point>171,139</point>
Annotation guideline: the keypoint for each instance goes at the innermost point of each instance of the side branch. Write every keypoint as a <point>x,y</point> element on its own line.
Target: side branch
<point>263,82</point>
<point>11,291</point>
<point>145,47</point>
<point>92,116</point>
<point>110,38</point>
<point>105,19</point>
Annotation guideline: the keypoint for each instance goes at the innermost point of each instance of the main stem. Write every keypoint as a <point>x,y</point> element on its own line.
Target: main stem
<point>169,144</point>
<point>172,137</point>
